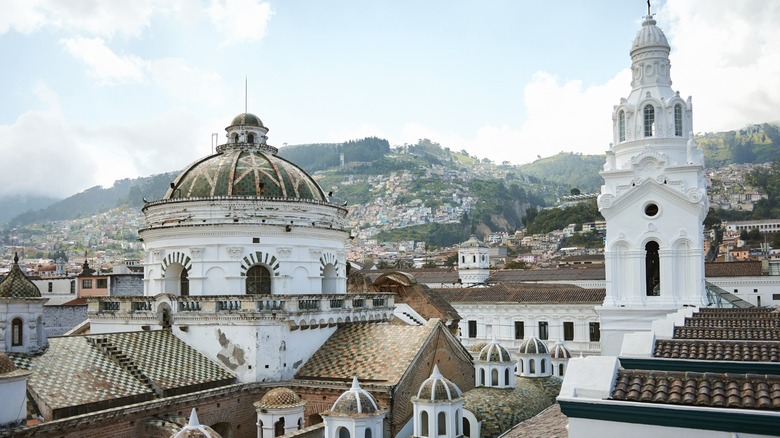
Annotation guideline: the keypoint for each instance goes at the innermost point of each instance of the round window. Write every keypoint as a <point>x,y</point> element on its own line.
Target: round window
<point>651,209</point>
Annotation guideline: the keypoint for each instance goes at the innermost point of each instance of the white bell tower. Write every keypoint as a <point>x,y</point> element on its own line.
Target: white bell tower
<point>473,262</point>
<point>654,199</point>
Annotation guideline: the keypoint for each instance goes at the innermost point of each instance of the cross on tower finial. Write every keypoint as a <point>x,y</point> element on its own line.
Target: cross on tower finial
<point>648,8</point>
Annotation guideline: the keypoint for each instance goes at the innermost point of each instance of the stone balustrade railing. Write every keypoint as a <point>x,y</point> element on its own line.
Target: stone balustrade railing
<point>280,306</point>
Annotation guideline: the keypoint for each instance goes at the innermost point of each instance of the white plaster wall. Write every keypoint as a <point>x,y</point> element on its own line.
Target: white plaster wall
<point>13,403</point>
<point>502,316</point>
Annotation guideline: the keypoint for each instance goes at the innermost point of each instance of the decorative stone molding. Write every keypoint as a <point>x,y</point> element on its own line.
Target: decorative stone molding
<point>283,252</point>
<point>316,253</point>
<point>157,255</point>
<point>197,253</point>
<point>235,252</point>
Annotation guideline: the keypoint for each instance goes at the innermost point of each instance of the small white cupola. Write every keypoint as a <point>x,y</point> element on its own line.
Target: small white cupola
<point>473,262</point>
<point>438,408</point>
<point>356,414</point>
<point>247,130</point>
<point>193,429</point>
<point>533,359</point>
<point>21,313</point>
<point>559,356</point>
<point>279,412</point>
<point>494,367</point>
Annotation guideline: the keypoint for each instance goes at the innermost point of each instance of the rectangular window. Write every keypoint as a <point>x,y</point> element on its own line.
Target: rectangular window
<point>519,330</point>
<point>544,331</point>
<point>102,283</point>
<point>51,287</point>
<point>472,329</point>
<point>568,331</point>
<point>86,284</point>
<point>595,332</point>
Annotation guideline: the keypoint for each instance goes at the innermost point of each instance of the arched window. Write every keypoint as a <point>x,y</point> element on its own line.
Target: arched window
<point>482,377</point>
<point>330,282</point>
<point>678,128</point>
<point>235,138</point>
<point>258,280</point>
<point>184,283</point>
<point>560,370</point>
<point>532,366</point>
<point>622,126</point>
<point>494,377</point>
<point>368,432</point>
<point>466,427</point>
<point>474,259</point>
<point>343,432</point>
<point>457,422</point>
<point>424,423</point>
<point>521,364</point>
<point>279,428</point>
<point>463,259</point>
<point>649,113</point>
<point>506,377</point>
<point>300,423</point>
<point>442,426</point>
<point>16,332</point>
<point>544,366</point>
<point>250,138</point>
<point>652,270</point>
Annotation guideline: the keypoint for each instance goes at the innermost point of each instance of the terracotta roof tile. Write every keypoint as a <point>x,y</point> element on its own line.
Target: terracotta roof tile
<point>744,391</point>
<point>732,269</point>
<point>523,293</point>
<point>372,352</point>
<point>550,423</point>
<point>718,350</point>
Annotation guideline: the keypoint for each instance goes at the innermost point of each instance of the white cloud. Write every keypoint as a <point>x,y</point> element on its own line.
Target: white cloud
<point>727,56</point>
<point>97,17</point>
<point>186,83</point>
<point>240,20</point>
<point>103,63</point>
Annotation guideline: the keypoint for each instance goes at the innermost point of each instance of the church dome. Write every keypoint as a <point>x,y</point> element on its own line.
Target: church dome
<point>246,119</point>
<point>245,166</point>
<point>356,400</point>
<point>494,352</point>
<point>534,345</point>
<point>560,351</point>
<point>473,243</point>
<point>649,35</point>
<point>17,285</point>
<point>280,398</point>
<point>6,364</point>
<point>437,388</point>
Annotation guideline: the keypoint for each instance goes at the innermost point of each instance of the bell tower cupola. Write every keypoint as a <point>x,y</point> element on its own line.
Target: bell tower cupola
<point>654,199</point>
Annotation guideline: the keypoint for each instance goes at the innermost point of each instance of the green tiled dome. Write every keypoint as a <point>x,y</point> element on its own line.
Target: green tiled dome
<point>17,285</point>
<point>251,171</point>
<point>246,119</point>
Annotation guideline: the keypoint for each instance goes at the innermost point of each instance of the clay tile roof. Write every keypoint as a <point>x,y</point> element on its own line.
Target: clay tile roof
<point>587,272</point>
<point>742,391</point>
<point>749,324</point>
<point>550,423</point>
<point>523,293</point>
<point>107,370</point>
<point>718,350</point>
<point>733,269</point>
<point>6,365</point>
<point>372,352</point>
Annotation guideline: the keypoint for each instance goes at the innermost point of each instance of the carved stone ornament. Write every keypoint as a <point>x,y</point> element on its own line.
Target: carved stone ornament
<point>694,195</point>
<point>283,252</point>
<point>158,254</point>
<point>605,201</point>
<point>235,252</point>
<point>197,253</point>
<point>316,253</point>
<point>651,227</point>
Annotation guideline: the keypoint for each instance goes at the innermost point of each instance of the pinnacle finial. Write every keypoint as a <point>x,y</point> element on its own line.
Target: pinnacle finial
<point>355,384</point>
<point>16,258</point>
<point>194,419</point>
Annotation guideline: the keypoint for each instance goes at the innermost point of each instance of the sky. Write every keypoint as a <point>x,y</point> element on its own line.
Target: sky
<point>92,91</point>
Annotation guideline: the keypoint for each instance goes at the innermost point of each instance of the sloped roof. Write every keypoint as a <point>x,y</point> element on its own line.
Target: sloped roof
<point>741,351</point>
<point>733,269</point>
<point>78,373</point>
<point>17,285</point>
<point>376,353</point>
<point>746,391</point>
<point>522,293</point>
